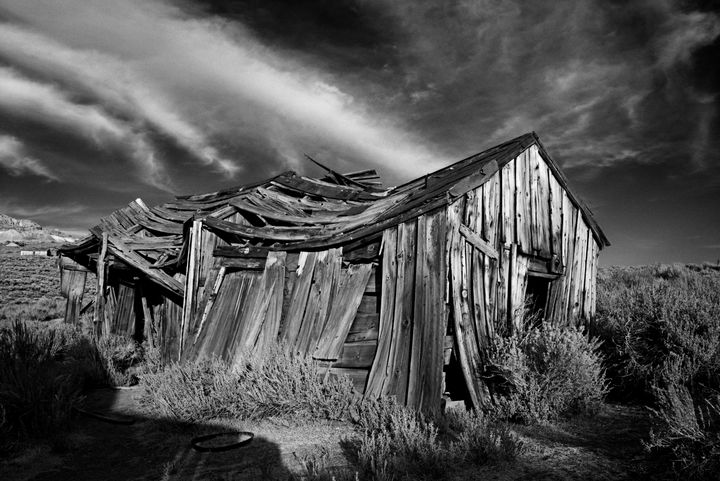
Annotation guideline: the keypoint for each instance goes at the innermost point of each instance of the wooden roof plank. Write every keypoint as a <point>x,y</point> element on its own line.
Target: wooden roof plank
<point>287,234</point>
<point>120,250</point>
<point>323,189</point>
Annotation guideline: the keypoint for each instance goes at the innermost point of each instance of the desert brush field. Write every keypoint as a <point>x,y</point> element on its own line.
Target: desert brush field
<point>635,395</point>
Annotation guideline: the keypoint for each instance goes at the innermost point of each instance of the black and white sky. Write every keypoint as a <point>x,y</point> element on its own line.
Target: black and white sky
<point>103,101</point>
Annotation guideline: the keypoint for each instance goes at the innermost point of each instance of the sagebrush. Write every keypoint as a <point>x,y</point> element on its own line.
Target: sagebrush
<point>553,371</point>
<point>399,443</point>
<point>661,331</point>
<point>272,384</point>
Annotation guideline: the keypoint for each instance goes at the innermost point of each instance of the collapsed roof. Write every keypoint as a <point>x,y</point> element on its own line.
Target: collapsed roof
<point>290,212</point>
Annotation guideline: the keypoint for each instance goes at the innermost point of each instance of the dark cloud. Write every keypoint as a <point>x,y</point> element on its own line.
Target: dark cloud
<point>149,97</point>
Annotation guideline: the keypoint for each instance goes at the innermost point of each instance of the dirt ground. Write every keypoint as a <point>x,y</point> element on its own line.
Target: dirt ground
<point>603,447</point>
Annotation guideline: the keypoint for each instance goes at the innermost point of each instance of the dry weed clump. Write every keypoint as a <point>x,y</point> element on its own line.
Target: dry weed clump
<point>399,443</point>
<point>271,384</point>
<point>553,371</point>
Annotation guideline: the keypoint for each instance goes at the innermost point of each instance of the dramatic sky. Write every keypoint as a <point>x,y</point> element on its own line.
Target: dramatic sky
<point>103,101</point>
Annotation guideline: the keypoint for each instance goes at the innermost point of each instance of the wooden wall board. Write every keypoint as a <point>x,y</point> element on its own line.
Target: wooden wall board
<point>191,281</point>
<point>568,246</point>
<point>124,316</point>
<point>578,274</point>
<point>271,327</point>
<point>502,301</point>
<point>430,315</point>
<point>556,221</point>
<point>489,279</point>
<point>381,363</point>
<point>72,286</point>
<point>593,291</point>
<point>523,203</point>
<point>356,355</point>
<point>589,280</point>
<point>539,204</point>
<point>324,284</point>
<point>220,325</point>
<point>396,381</point>
<point>507,203</point>
<point>167,314</point>
<point>343,311</point>
<point>292,319</point>
<point>263,313</point>
<point>468,351</point>
<point>473,208</point>
<point>518,282</point>
<point>491,217</point>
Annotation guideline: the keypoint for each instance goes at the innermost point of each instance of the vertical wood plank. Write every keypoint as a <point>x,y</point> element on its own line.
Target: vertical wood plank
<point>98,315</point>
<point>491,210</point>
<point>379,369</point>
<point>271,327</point>
<point>298,299</point>
<point>490,274</point>
<point>149,322</point>
<point>518,278</point>
<point>470,217</point>
<point>430,315</point>
<point>540,204</point>
<point>190,282</point>
<point>523,212</point>
<point>475,275</point>
<point>556,221</point>
<point>74,288</point>
<point>588,279</point>
<point>507,203</point>
<point>343,311</point>
<point>325,277</point>
<point>593,286</point>
<point>434,323</point>
<point>468,352</point>
<point>396,383</point>
<point>578,277</point>
<point>569,218</point>
<point>123,321</point>
<point>254,312</point>
<point>227,338</point>
<point>503,320</point>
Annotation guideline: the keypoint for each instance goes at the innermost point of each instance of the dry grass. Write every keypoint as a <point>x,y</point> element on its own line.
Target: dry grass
<point>30,287</point>
<point>274,384</point>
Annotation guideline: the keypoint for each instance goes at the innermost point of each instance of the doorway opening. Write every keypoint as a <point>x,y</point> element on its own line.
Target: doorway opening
<point>536,298</point>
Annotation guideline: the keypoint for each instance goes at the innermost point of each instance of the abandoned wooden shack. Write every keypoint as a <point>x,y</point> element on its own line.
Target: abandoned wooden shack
<point>401,289</point>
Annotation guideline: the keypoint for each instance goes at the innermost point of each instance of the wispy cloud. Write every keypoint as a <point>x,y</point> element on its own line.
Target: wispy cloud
<point>113,83</point>
<point>15,160</point>
<point>207,84</point>
<point>47,104</point>
<point>19,209</point>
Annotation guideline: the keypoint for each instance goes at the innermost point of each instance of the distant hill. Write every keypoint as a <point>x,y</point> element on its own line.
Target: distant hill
<point>28,231</point>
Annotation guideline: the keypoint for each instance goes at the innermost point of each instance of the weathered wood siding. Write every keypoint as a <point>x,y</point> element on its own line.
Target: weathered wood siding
<point>413,313</point>
<point>72,287</point>
<point>524,212</point>
<point>307,301</point>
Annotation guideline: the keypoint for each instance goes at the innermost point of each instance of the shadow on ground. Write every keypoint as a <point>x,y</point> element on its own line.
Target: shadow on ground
<point>159,449</point>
